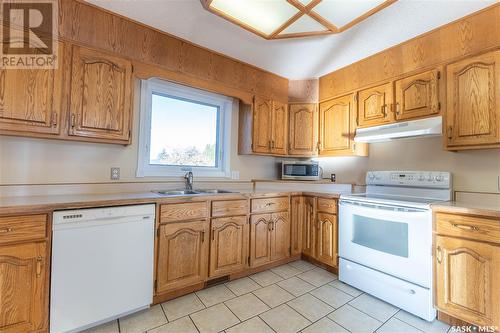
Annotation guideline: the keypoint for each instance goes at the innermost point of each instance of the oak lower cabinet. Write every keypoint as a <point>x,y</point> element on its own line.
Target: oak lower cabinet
<point>327,239</point>
<point>24,274</point>
<point>303,130</point>
<point>473,102</point>
<point>269,238</point>
<point>228,245</point>
<point>183,249</point>
<point>375,105</point>
<point>303,224</point>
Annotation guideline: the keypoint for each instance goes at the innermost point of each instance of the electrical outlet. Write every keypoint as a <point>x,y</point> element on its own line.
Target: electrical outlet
<point>235,175</point>
<point>115,173</point>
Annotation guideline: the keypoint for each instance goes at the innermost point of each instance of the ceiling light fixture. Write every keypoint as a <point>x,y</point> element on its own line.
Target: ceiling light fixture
<point>276,19</point>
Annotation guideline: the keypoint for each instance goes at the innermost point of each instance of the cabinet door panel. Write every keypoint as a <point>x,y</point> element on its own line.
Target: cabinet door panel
<point>335,120</point>
<point>182,255</point>
<point>262,118</point>
<point>375,105</point>
<point>23,296</point>
<point>309,227</point>
<point>303,136</point>
<point>260,239</point>
<point>229,245</point>
<point>327,239</point>
<point>297,217</point>
<point>100,95</point>
<point>467,280</point>
<point>280,241</point>
<point>473,107</point>
<point>279,128</point>
<point>417,95</point>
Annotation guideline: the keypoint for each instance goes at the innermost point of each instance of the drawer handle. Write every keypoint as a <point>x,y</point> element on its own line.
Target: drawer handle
<point>39,266</point>
<point>439,254</point>
<point>269,204</point>
<point>5,230</point>
<point>466,227</point>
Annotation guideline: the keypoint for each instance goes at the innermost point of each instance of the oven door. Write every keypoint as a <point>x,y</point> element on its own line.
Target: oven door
<point>393,240</point>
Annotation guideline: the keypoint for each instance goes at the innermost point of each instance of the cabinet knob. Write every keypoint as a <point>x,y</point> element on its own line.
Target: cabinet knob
<point>439,254</point>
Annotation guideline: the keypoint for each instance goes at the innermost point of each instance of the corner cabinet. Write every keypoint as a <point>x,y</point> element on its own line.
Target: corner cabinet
<point>473,102</point>
<point>375,106</point>
<point>100,96</point>
<point>303,130</point>
<point>337,119</point>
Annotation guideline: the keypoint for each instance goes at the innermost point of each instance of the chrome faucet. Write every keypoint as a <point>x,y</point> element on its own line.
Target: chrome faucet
<point>188,177</point>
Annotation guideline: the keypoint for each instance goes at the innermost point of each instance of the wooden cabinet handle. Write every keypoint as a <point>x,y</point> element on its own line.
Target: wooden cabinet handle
<point>203,236</point>
<point>439,254</point>
<point>39,261</point>
<point>213,234</point>
<point>450,132</point>
<point>5,230</point>
<point>465,227</point>
<point>398,108</point>
<point>270,204</point>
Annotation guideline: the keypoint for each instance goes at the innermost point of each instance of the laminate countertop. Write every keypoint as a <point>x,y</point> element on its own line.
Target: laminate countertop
<point>465,207</point>
<point>35,204</point>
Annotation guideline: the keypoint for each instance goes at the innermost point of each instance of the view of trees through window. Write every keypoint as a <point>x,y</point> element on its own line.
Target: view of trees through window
<point>183,133</point>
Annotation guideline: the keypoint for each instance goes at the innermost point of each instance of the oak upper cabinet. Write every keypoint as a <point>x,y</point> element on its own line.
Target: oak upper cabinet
<point>327,235</point>
<point>262,119</point>
<point>473,102</point>
<point>418,95</point>
<point>467,283</point>
<point>279,128</point>
<point>309,226</point>
<point>260,239</point>
<point>182,255</point>
<point>337,119</point>
<point>280,236</point>
<point>303,130</point>
<point>100,96</point>
<point>30,100</point>
<point>229,245</point>
<point>375,105</point>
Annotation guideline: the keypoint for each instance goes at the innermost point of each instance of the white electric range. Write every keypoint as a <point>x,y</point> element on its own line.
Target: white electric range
<point>385,237</point>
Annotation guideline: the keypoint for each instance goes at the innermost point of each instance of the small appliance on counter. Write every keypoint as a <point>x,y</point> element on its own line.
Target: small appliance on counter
<point>300,170</point>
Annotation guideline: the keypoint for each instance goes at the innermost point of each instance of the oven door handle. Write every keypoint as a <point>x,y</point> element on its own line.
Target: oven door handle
<point>394,208</point>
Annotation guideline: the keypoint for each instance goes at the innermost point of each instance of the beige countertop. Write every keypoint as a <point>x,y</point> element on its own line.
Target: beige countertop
<point>465,207</point>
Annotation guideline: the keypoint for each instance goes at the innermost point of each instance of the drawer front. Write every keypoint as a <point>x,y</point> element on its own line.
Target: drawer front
<point>183,211</point>
<point>22,228</point>
<point>475,228</point>
<point>269,204</point>
<point>327,205</point>
<point>229,208</point>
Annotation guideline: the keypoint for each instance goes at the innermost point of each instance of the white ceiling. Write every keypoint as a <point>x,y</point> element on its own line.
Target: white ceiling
<point>295,58</point>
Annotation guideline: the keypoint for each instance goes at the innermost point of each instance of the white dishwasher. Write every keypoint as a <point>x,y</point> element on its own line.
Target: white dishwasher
<point>102,265</point>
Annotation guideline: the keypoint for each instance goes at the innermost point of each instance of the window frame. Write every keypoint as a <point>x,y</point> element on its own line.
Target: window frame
<point>178,91</point>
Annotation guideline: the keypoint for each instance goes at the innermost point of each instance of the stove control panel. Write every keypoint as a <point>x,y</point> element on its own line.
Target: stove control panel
<point>433,179</point>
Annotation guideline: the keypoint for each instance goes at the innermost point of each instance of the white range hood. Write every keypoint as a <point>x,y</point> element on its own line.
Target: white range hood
<point>408,129</point>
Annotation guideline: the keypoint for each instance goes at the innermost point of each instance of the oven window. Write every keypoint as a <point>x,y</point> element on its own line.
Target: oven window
<point>385,236</point>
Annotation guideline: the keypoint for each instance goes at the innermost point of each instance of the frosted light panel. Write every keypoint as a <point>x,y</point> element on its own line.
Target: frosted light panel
<point>305,2</point>
<point>263,15</point>
<point>304,24</point>
<point>342,12</point>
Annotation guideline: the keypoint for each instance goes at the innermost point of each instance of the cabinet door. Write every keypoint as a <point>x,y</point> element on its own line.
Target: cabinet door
<point>336,130</point>
<point>467,281</point>
<point>303,130</point>
<point>375,105</point>
<point>327,239</point>
<point>280,236</point>
<point>23,292</point>
<point>473,101</point>
<point>297,216</point>
<point>30,99</point>
<point>182,255</point>
<point>418,95</point>
<point>308,227</point>
<point>229,245</point>
<point>260,239</point>
<point>100,96</point>
<point>262,118</point>
<point>279,128</point>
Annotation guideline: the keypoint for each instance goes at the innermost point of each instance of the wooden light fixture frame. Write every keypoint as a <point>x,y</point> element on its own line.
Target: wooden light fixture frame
<point>330,28</point>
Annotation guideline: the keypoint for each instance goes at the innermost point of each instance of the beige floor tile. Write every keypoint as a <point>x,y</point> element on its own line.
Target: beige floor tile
<point>254,325</point>
<point>273,295</point>
<point>182,306</point>
<point>246,306</point>
<point>143,321</point>
<point>346,288</point>
<point>284,319</point>
<point>355,320</point>
<point>434,326</point>
<point>266,278</point>
<point>183,325</point>
<point>302,265</point>
<point>332,296</point>
<point>215,295</point>
<point>111,327</point>
<point>394,325</point>
<point>296,286</point>
<point>286,271</point>
<point>374,307</point>
<point>310,307</point>
<point>325,325</point>
<point>317,277</point>
<point>214,319</point>
<point>243,286</point>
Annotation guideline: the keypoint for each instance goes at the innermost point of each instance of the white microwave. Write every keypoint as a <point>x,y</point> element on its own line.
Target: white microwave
<point>300,170</point>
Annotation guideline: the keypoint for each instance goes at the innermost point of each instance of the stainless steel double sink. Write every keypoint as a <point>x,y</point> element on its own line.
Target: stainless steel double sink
<point>191,192</point>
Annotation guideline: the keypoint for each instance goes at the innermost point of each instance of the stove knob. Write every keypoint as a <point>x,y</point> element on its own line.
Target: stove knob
<point>439,178</point>
<point>421,178</point>
<point>430,178</point>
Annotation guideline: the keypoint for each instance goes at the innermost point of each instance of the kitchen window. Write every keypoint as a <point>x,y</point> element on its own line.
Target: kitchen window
<point>183,129</point>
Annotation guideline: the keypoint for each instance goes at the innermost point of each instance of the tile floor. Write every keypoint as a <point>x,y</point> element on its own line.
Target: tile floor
<point>296,297</point>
